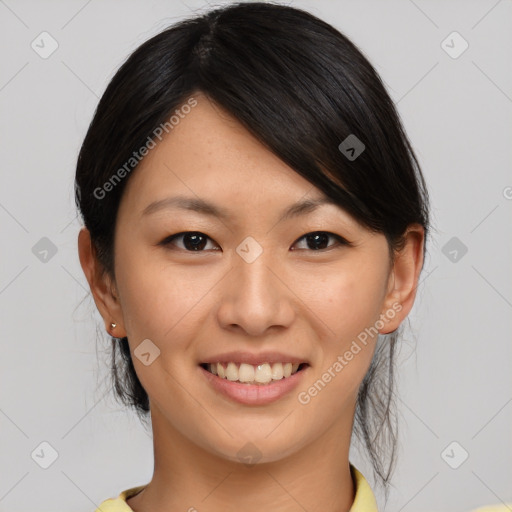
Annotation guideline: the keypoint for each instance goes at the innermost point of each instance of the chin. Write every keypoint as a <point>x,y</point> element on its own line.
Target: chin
<point>257,449</point>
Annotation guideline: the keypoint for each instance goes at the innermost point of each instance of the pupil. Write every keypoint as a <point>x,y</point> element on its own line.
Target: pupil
<point>319,239</point>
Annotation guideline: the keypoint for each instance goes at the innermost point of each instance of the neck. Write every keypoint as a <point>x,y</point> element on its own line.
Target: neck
<point>188,477</point>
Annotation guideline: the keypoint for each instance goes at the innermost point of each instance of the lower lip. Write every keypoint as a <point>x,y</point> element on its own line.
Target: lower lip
<point>254,394</point>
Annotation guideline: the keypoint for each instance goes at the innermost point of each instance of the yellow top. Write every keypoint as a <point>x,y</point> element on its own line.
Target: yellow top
<point>364,500</point>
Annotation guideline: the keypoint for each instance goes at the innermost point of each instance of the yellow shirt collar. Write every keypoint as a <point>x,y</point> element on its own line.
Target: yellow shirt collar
<point>364,500</point>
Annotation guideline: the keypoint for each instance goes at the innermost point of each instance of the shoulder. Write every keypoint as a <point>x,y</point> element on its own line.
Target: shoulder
<point>119,504</point>
<point>365,501</point>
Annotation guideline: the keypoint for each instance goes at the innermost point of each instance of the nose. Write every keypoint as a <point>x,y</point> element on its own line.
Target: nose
<point>256,296</point>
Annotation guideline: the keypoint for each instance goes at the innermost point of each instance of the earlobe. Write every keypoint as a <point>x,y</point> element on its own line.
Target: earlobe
<point>404,279</point>
<point>101,286</point>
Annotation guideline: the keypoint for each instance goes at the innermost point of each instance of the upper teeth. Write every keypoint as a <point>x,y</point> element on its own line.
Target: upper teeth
<point>261,373</point>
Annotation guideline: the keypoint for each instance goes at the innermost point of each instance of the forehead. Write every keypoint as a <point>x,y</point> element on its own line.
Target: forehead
<point>209,154</point>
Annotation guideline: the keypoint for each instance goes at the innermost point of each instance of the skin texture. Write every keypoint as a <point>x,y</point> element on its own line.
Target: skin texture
<point>293,298</point>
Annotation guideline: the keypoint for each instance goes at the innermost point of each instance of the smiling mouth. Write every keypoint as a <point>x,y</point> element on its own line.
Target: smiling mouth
<point>260,374</point>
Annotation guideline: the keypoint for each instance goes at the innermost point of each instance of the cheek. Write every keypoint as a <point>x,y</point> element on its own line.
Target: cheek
<point>162,301</point>
<point>161,304</point>
<point>349,303</point>
<point>349,300</point>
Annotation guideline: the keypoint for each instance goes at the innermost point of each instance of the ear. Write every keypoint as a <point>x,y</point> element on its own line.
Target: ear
<point>102,288</point>
<point>403,279</point>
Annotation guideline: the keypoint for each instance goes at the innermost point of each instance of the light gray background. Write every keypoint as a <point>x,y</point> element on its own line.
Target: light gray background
<point>455,366</point>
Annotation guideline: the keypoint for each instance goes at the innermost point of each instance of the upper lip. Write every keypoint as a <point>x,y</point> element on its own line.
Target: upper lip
<point>253,358</point>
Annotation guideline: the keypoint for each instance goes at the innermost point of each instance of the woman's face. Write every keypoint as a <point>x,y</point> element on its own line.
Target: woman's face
<point>256,284</point>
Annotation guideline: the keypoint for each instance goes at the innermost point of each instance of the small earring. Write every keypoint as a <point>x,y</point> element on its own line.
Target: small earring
<point>113,325</point>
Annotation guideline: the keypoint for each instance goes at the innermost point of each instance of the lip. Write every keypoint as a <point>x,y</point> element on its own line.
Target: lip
<point>254,394</point>
<point>255,359</point>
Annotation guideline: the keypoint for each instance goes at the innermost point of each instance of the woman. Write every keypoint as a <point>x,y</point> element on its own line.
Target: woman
<point>255,229</point>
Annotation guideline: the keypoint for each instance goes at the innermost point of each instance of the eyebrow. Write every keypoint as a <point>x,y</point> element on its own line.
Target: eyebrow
<point>206,208</point>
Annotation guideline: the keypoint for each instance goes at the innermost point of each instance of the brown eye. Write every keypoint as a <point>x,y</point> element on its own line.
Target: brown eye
<point>319,240</point>
<point>193,241</point>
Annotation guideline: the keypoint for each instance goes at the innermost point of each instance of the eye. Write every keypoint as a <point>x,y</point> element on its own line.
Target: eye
<point>318,240</point>
<point>195,241</point>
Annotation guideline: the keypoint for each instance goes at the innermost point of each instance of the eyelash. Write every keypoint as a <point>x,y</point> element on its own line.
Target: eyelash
<point>339,239</point>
